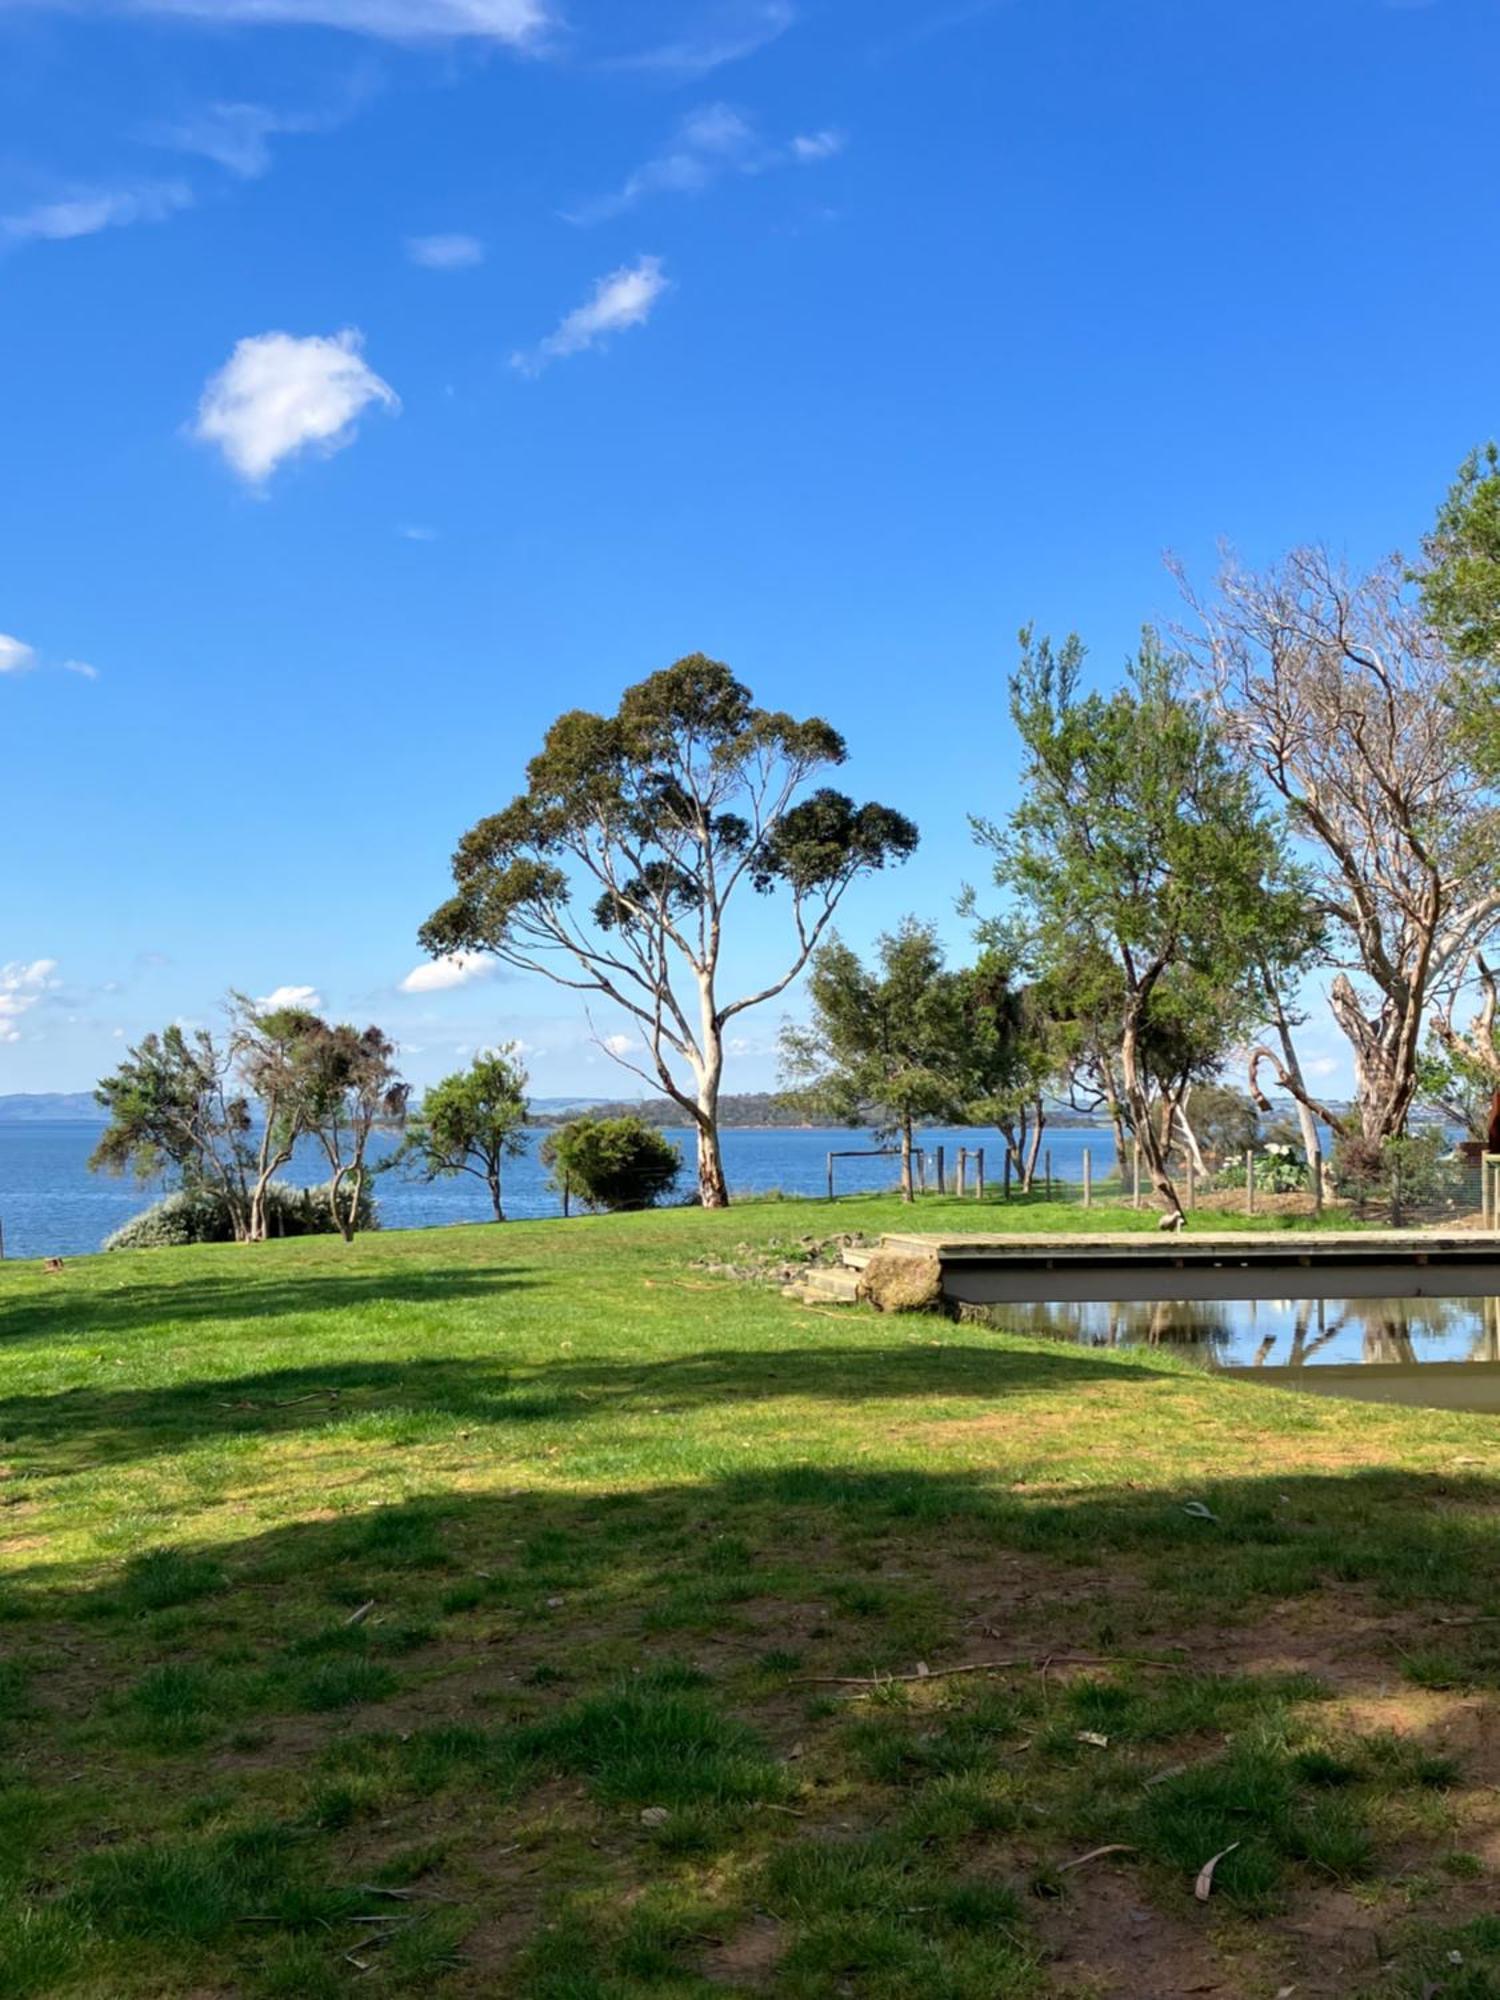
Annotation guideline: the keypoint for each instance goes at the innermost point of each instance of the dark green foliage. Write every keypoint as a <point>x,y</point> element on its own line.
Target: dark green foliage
<point>891,1044</point>
<point>612,1163</point>
<point>471,1123</point>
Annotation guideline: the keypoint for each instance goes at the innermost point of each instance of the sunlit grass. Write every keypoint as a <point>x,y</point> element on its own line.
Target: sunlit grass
<point>463,1611</point>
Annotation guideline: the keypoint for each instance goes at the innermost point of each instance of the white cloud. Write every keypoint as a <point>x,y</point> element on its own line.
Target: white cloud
<point>810,147</point>
<point>734,31</point>
<point>520,24</point>
<point>441,975</point>
<point>413,531</point>
<point>21,986</point>
<point>445,253</point>
<point>88,211</point>
<point>624,299</point>
<point>711,142</point>
<point>291,996</point>
<point>618,1045</point>
<point>277,395</point>
<point>234,136</point>
<point>81,668</point>
<point>16,657</point>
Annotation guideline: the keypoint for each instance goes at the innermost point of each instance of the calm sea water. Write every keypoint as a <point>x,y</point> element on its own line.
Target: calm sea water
<point>52,1206</point>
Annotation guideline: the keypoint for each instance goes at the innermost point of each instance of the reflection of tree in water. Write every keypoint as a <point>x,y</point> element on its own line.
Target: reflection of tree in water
<point>1128,1323</point>
<point>1388,1330</point>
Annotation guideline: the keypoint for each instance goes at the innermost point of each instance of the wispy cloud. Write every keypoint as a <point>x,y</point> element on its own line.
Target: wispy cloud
<point>21,986</point>
<point>519,24</point>
<point>734,30</point>
<point>238,137</point>
<point>278,395</point>
<point>16,657</point>
<point>623,299</point>
<point>414,531</point>
<point>441,975</point>
<point>81,668</point>
<point>711,142</point>
<point>445,253</point>
<point>87,211</point>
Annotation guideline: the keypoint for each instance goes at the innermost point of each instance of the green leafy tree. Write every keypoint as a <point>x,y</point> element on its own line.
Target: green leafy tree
<point>176,1111</point>
<point>1225,1121</point>
<point>267,1046</point>
<point>614,872</point>
<point>612,1163</point>
<point>347,1088</point>
<point>1139,848</point>
<point>887,1044</point>
<point>1460,574</point>
<point>471,1123</point>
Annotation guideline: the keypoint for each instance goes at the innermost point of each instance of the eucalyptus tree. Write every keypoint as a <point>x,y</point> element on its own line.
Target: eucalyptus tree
<point>887,1045</point>
<point>1336,691</point>
<point>267,1047</point>
<point>1460,571</point>
<point>348,1088</point>
<point>1139,848</point>
<point>615,871</point>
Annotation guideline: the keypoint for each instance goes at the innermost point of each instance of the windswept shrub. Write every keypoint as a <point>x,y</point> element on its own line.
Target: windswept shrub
<point>612,1163</point>
<point>200,1215</point>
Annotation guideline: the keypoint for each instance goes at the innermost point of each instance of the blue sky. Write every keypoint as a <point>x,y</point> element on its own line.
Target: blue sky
<point>379,377</point>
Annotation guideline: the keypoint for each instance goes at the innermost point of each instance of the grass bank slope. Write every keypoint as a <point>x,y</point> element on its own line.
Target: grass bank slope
<point>531,1610</point>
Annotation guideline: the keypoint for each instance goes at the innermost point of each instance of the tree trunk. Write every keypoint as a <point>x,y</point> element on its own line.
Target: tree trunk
<point>1039,1126</point>
<point>713,1189</point>
<point>908,1191</point>
<point>492,1181</point>
<point>1139,1109</point>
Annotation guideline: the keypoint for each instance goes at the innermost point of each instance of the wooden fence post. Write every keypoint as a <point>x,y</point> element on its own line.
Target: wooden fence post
<point>1315,1168</point>
<point>979,1175</point>
<point>1135,1175</point>
<point>830,1177</point>
<point>962,1175</point>
<point>1088,1178</point>
<point>1249,1182</point>
<point>941,1182</point>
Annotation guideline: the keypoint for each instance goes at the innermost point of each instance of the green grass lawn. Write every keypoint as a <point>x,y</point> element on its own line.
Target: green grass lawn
<point>522,1610</point>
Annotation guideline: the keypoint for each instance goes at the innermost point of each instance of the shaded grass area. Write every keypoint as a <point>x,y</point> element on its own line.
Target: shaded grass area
<point>515,1610</point>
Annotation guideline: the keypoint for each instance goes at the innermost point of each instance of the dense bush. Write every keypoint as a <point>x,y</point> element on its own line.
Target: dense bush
<point>1397,1174</point>
<point>612,1163</point>
<point>199,1215</point>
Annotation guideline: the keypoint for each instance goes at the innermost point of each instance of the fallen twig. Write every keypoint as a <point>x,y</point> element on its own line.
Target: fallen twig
<point>1097,1854</point>
<point>360,1613</point>
<point>1203,1888</point>
<point>1035,1663</point>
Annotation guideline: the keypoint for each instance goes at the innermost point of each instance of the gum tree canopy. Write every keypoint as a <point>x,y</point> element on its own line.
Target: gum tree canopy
<point>612,873</point>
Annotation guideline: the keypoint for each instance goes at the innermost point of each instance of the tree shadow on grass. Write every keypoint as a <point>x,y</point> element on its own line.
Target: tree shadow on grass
<point>81,1429</point>
<point>235,1297</point>
<point>552,1610</point>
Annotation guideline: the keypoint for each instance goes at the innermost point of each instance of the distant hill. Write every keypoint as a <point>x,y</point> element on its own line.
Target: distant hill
<point>53,1107</point>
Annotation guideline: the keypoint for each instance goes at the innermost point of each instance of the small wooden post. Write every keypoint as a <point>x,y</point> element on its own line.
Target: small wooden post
<point>942,1186</point>
<point>1049,1173</point>
<point>1088,1179</point>
<point>922,1170</point>
<point>1005,1173</point>
<point>1135,1175</point>
<point>962,1176</point>
<point>1249,1182</point>
<point>1315,1168</point>
<point>979,1175</point>
<point>830,1177</point>
<point>567,1191</point>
